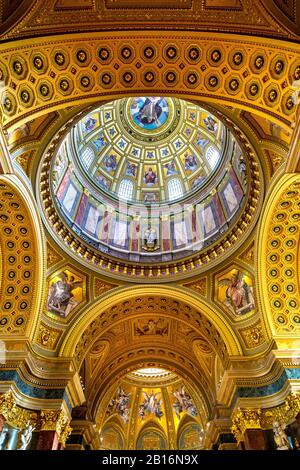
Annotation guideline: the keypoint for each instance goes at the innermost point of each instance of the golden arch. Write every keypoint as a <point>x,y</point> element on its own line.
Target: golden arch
<point>23,260</point>
<point>176,293</point>
<point>278,283</point>
<point>218,68</point>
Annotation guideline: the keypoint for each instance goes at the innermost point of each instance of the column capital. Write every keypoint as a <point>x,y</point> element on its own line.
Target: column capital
<point>56,420</point>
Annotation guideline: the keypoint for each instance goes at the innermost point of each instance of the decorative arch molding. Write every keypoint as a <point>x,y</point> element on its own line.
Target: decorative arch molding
<point>144,356</point>
<point>278,283</point>
<point>234,70</point>
<point>23,252</point>
<point>98,316</point>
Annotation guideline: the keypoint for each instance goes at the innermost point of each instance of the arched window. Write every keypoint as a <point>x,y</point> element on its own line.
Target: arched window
<point>212,156</point>
<point>126,189</point>
<point>87,157</point>
<point>174,189</point>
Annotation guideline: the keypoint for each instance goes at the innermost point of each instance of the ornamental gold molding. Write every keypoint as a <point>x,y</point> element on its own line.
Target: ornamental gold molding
<point>23,254</point>
<point>56,420</point>
<point>244,419</point>
<point>200,261</point>
<point>44,74</point>
<point>278,250</point>
<point>15,415</point>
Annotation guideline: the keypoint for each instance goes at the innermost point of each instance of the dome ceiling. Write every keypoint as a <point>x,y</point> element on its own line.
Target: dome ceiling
<point>148,149</point>
<point>148,180</point>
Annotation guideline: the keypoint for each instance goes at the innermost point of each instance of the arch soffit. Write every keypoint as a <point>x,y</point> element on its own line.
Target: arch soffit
<point>24,258</point>
<point>218,68</point>
<point>277,277</point>
<point>128,293</point>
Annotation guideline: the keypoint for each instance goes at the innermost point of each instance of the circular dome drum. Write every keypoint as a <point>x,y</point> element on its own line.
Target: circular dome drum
<point>147,180</point>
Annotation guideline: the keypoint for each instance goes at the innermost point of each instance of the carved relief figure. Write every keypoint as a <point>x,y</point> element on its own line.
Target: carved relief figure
<point>150,239</point>
<point>26,436</point>
<point>280,437</point>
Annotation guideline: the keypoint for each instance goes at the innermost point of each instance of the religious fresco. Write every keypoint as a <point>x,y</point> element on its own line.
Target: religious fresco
<point>129,137</point>
<point>151,405</point>
<point>90,123</point>
<point>191,437</point>
<point>120,404</point>
<point>110,163</point>
<point>151,326</point>
<point>235,291</point>
<point>150,171</point>
<point>183,402</point>
<point>66,291</point>
<point>151,440</point>
<point>149,113</point>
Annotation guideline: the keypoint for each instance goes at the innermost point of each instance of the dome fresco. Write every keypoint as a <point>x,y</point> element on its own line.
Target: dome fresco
<point>149,178</point>
<point>149,149</point>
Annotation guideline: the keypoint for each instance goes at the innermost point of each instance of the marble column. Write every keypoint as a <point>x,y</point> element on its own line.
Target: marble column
<point>254,439</point>
<point>47,440</point>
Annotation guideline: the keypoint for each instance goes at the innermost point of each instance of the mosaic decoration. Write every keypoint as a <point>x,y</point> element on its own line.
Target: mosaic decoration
<point>151,440</point>
<point>151,405</point>
<point>183,402</point>
<point>93,187</point>
<point>148,141</point>
<point>149,113</point>
<point>191,437</point>
<point>65,293</point>
<point>235,292</point>
<point>120,404</point>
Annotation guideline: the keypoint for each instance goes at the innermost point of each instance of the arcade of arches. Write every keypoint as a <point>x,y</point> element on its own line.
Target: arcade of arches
<point>149,224</point>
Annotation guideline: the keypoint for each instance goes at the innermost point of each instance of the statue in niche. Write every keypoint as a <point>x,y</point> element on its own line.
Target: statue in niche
<point>280,437</point>
<point>4,438</point>
<point>26,436</point>
<point>150,239</point>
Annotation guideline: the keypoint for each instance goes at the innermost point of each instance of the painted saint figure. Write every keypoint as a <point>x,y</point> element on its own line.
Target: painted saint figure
<point>61,299</point>
<point>239,295</point>
<point>150,177</point>
<point>150,111</point>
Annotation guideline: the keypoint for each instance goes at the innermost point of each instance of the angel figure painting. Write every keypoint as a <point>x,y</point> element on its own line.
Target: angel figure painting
<point>120,404</point>
<point>151,405</point>
<point>235,291</point>
<point>65,293</point>
<point>183,402</point>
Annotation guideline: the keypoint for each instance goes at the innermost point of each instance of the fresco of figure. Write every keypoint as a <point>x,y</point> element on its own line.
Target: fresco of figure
<point>150,177</point>
<point>60,299</point>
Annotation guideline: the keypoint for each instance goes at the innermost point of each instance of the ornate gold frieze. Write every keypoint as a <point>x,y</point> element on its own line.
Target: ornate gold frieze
<point>253,336</point>
<point>15,415</point>
<point>200,286</point>
<point>56,420</point>
<point>264,418</point>
<point>47,336</point>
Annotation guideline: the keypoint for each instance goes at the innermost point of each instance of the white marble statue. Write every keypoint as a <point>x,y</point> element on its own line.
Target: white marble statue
<point>280,436</point>
<point>26,436</point>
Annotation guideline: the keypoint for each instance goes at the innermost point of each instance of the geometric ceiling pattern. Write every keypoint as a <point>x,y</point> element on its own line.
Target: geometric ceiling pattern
<point>256,75</point>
